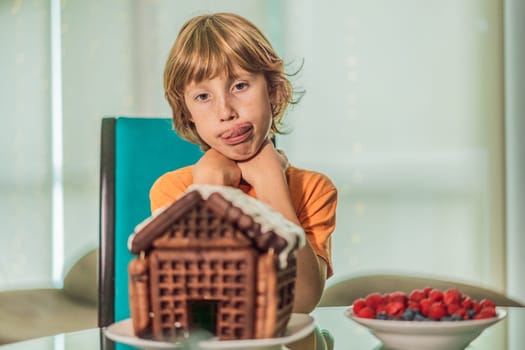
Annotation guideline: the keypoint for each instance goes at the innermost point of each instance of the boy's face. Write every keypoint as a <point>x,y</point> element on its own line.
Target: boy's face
<point>232,115</point>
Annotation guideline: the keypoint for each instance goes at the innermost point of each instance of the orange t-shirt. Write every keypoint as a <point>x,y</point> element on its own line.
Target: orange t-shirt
<point>314,198</point>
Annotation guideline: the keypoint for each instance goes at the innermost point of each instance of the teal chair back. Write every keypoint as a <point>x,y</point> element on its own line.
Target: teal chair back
<point>134,153</point>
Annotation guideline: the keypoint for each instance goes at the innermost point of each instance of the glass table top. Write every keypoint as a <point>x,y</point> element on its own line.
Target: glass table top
<point>508,334</point>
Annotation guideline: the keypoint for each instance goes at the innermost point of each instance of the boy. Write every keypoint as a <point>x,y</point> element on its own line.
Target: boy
<point>228,93</point>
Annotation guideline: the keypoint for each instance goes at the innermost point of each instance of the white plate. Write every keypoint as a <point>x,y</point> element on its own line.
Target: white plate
<point>299,326</point>
<point>438,335</point>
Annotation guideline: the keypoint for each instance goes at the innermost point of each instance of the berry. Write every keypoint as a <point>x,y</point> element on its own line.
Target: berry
<point>414,305</point>
<point>381,316</point>
<point>381,308</point>
<point>398,296</point>
<point>428,304</point>
<point>408,315</point>
<point>452,308</point>
<point>435,295</point>
<point>395,309</point>
<point>467,302</point>
<point>416,295</point>
<point>374,299</point>
<point>487,303</point>
<point>451,296</point>
<point>425,306</point>
<point>437,311</point>
<point>427,291</point>
<point>366,312</point>
<point>358,305</point>
<point>487,312</point>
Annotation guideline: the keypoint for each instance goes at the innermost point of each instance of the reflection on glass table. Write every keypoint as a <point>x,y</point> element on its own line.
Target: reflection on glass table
<point>508,334</point>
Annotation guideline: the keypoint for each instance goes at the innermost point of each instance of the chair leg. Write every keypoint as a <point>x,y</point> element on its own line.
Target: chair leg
<point>328,339</point>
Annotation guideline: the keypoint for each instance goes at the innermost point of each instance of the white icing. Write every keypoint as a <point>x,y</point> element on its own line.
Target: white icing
<point>267,217</point>
<point>144,223</point>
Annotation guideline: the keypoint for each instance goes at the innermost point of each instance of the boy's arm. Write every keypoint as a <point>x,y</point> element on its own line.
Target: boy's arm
<point>215,169</point>
<point>266,173</point>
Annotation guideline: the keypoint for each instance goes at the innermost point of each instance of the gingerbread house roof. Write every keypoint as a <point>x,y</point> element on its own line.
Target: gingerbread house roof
<point>265,227</point>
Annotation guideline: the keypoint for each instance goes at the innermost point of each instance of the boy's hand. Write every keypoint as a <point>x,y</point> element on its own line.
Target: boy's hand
<point>215,169</point>
<point>265,164</point>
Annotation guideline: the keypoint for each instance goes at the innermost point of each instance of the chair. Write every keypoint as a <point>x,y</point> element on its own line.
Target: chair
<point>134,153</point>
<point>349,288</point>
<point>32,313</point>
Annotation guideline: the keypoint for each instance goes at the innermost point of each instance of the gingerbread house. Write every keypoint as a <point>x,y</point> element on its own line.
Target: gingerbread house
<point>215,259</point>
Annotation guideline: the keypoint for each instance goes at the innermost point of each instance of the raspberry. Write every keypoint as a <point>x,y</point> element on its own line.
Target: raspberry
<point>366,312</point>
<point>395,309</point>
<point>435,295</point>
<point>452,296</point>
<point>436,311</point>
<point>452,308</point>
<point>381,308</point>
<point>374,299</point>
<point>358,305</point>
<point>486,312</point>
<point>399,297</point>
<point>427,291</point>
<point>414,305</point>
<point>487,303</point>
<point>425,306</point>
<point>467,302</point>
<point>476,306</point>
<point>460,312</point>
<point>416,295</point>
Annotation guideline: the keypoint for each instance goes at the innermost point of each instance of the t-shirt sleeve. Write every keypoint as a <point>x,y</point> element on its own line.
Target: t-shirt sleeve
<point>317,214</point>
<point>169,187</point>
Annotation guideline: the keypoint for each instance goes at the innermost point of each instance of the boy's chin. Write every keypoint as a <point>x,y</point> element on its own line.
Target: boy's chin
<point>242,158</point>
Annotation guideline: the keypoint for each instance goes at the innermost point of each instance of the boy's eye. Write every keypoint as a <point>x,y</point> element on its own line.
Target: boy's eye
<point>201,97</point>
<point>240,86</point>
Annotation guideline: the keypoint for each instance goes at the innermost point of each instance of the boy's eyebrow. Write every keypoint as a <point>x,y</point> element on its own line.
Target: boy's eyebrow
<point>243,76</point>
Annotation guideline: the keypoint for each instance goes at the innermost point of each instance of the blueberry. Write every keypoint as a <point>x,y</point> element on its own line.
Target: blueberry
<point>381,316</point>
<point>471,313</point>
<point>408,315</point>
<point>419,317</point>
<point>456,317</point>
<point>446,318</point>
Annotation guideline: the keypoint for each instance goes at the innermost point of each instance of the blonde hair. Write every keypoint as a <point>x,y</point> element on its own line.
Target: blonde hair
<point>210,45</point>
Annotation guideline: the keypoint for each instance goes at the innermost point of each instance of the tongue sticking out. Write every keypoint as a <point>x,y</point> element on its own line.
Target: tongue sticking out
<point>236,131</point>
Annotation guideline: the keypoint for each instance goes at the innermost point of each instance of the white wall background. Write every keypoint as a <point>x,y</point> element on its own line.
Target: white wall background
<point>404,110</point>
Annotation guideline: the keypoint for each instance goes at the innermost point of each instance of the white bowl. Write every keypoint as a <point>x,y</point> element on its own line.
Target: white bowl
<point>428,335</point>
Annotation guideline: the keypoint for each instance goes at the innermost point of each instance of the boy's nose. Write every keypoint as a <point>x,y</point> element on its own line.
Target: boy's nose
<point>225,110</point>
